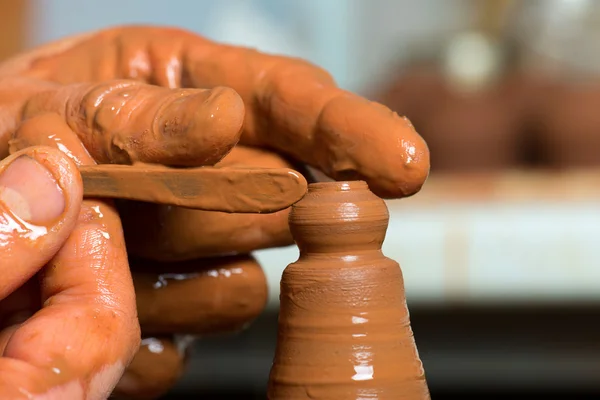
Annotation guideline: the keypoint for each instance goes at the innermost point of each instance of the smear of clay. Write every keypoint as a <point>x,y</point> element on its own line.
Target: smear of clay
<point>344,327</point>
<point>234,190</point>
<point>168,233</point>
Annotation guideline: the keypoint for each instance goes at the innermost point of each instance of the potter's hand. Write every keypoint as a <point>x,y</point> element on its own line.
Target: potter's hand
<point>291,106</point>
<point>125,121</point>
<point>77,344</point>
<point>281,104</point>
<point>121,122</point>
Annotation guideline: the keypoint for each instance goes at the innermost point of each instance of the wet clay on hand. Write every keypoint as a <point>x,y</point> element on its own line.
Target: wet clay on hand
<point>291,106</point>
<point>234,292</point>
<point>466,130</point>
<point>157,366</point>
<point>174,234</point>
<point>344,328</point>
<point>232,190</point>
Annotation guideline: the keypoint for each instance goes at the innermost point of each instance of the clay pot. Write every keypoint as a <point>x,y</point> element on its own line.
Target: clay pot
<point>344,328</point>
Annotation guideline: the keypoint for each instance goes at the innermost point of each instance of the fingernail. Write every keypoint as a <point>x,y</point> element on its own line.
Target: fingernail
<point>30,191</point>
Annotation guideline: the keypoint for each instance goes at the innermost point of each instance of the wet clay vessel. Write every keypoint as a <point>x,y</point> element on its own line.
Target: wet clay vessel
<point>344,328</point>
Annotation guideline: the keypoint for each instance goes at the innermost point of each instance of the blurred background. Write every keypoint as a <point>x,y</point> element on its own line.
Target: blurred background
<point>501,249</point>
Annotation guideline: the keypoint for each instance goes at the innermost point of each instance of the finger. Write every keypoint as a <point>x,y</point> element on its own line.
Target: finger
<point>174,234</point>
<point>166,233</point>
<point>15,92</point>
<point>87,332</point>
<point>126,122</point>
<point>80,342</point>
<point>155,369</point>
<point>40,198</point>
<point>199,297</point>
<point>296,108</point>
<point>293,107</point>
<point>50,130</point>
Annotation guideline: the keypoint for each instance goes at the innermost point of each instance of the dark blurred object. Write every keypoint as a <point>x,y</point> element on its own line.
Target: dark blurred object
<point>465,130</point>
<point>13,26</point>
<point>567,122</point>
<point>464,100</point>
<point>559,40</point>
<point>513,92</point>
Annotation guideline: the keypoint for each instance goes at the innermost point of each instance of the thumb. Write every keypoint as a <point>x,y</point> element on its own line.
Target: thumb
<point>40,197</point>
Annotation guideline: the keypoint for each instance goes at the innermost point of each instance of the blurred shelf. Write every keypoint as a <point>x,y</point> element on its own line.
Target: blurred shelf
<point>515,186</point>
<point>516,237</point>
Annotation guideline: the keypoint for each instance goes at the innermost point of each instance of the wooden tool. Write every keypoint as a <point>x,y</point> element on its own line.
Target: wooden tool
<point>230,190</point>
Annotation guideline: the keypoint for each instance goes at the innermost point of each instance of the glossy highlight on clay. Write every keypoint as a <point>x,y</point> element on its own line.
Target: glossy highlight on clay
<point>142,96</point>
<point>231,190</point>
<point>234,293</point>
<point>344,329</point>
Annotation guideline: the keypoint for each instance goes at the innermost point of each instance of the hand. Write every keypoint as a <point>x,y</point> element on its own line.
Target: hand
<point>64,95</point>
<point>87,331</point>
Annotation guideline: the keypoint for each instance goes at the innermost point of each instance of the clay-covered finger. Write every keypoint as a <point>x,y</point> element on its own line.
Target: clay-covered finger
<point>172,233</point>
<point>292,106</point>
<point>50,130</point>
<point>123,121</point>
<point>296,108</point>
<point>166,233</point>
<point>155,369</point>
<point>79,343</point>
<point>199,297</point>
<point>40,198</point>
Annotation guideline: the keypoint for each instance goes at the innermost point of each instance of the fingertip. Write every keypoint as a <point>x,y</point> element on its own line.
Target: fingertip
<point>410,163</point>
<point>209,121</point>
<point>41,186</point>
<point>40,198</point>
<point>228,112</point>
<point>50,130</point>
<point>367,141</point>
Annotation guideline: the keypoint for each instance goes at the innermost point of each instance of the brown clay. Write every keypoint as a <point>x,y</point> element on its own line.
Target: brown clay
<point>232,190</point>
<point>282,104</point>
<point>568,123</point>
<point>344,328</point>
<point>174,233</point>
<point>125,122</point>
<point>156,367</point>
<point>291,106</point>
<point>465,130</point>
<point>234,293</point>
<point>474,131</point>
